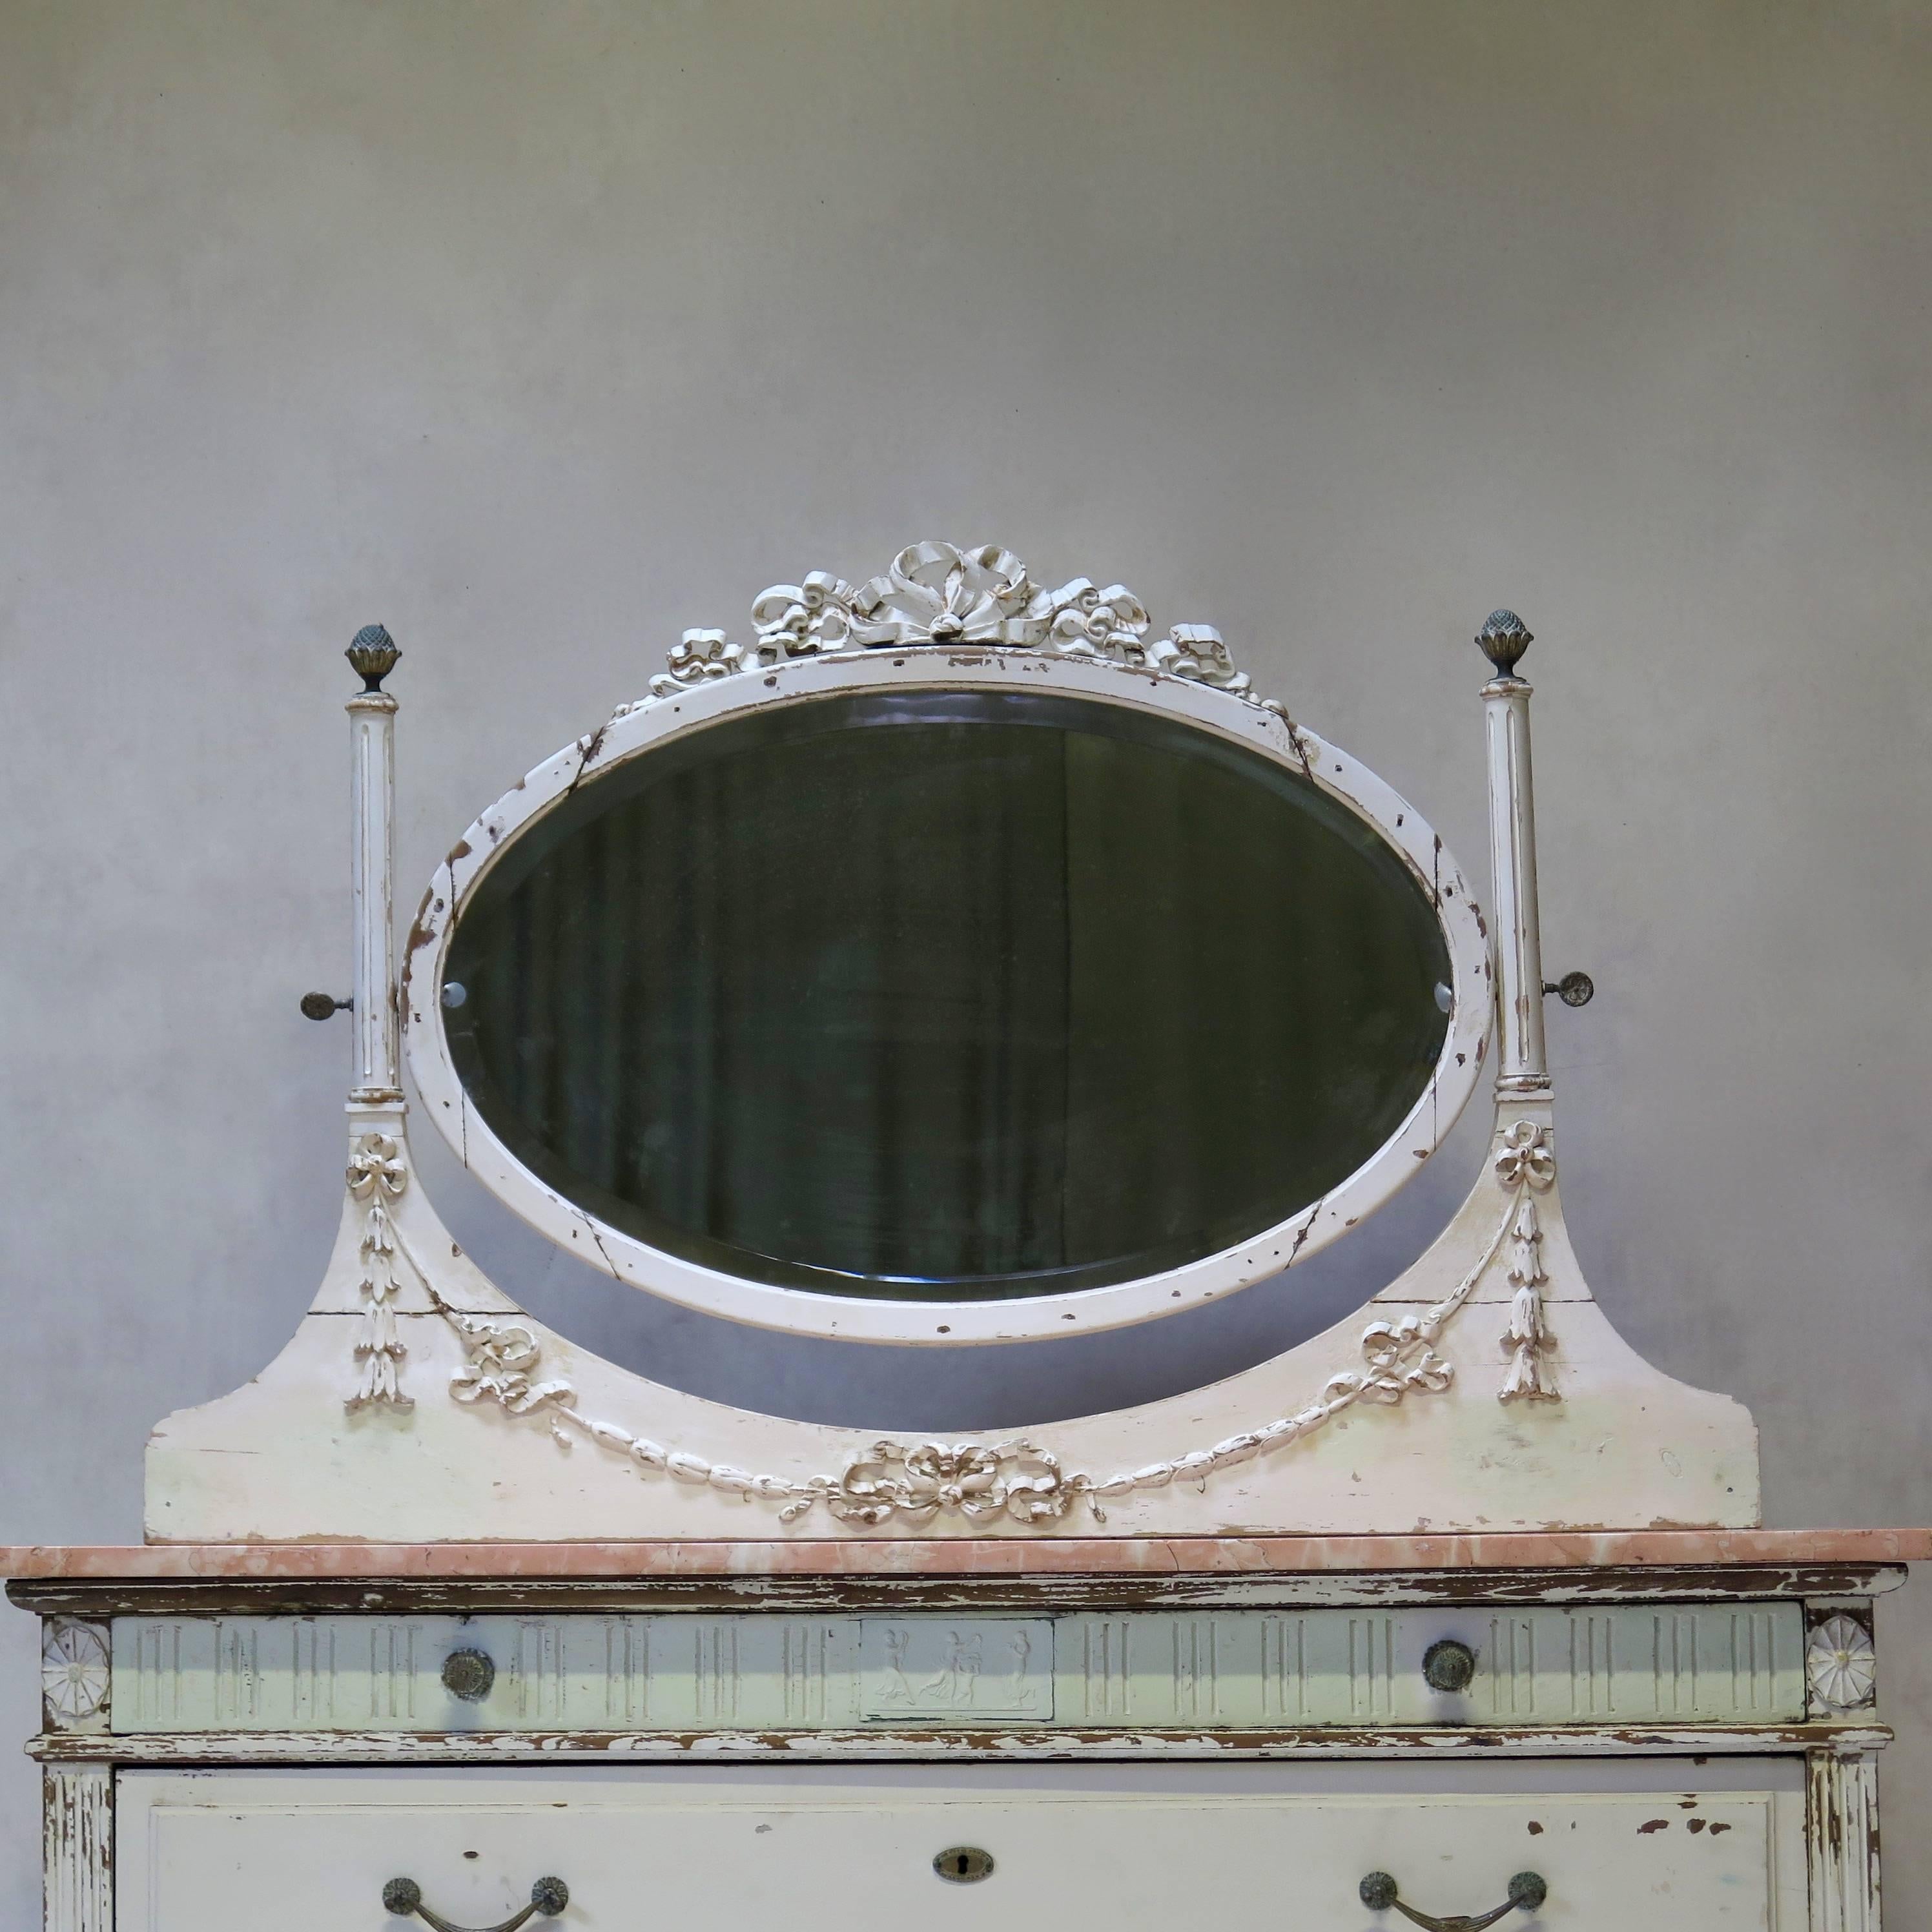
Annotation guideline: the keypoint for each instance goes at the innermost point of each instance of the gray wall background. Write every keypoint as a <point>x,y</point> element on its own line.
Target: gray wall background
<point>539,331</point>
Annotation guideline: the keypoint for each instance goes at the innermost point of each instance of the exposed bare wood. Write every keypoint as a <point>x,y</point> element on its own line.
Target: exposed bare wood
<point>1052,1591</point>
<point>77,1811</point>
<point>1841,1838</point>
<point>923,1743</point>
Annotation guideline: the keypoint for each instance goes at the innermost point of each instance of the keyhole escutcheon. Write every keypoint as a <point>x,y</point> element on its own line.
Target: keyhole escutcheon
<point>963,1864</point>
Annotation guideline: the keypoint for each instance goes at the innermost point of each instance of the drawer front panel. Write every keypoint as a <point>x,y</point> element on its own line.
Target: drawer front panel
<point>1251,1669</point>
<point>309,1852</point>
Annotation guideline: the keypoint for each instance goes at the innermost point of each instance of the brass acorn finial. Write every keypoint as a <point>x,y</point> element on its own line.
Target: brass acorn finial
<point>1503,639</point>
<point>372,655</point>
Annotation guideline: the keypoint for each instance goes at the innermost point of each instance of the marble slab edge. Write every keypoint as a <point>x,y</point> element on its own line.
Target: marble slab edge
<point>1004,1556</point>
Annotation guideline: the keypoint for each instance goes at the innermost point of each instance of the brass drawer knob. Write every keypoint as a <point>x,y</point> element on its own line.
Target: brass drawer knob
<point>469,1674</point>
<point>1448,1666</point>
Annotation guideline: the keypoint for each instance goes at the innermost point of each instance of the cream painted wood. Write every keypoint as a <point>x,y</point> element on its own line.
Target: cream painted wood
<point>850,1849</point>
<point>77,1810</point>
<point>1606,1664</point>
<point>1523,1060</point>
<point>1482,1390</point>
<point>1842,1839</point>
<point>560,1444</point>
<point>638,731</point>
<point>372,718</point>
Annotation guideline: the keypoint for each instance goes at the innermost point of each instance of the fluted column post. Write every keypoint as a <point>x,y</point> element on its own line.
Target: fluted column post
<point>1523,1060</point>
<point>372,725</point>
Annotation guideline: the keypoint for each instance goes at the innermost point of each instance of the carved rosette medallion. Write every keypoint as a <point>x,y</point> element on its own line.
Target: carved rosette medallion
<point>377,1176</point>
<point>74,1671</point>
<point>1840,1663</point>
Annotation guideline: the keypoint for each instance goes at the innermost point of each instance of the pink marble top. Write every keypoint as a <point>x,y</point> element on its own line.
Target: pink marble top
<point>1010,1556</point>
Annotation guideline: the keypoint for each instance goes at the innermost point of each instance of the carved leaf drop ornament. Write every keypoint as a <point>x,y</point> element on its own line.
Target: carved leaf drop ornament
<point>1526,1166</point>
<point>377,1175</point>
<point>73,1670</point>
<point>1840,1664</point>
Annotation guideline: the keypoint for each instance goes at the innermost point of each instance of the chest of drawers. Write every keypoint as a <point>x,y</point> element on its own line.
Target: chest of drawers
<point>1677,1729</point>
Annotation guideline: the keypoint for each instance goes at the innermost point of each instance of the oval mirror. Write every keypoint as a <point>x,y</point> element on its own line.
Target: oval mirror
<point>896,993</point>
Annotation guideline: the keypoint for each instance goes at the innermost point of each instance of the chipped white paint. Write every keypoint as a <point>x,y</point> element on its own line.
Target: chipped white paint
<point>1841,1840</point>
<point>537,1440</point>
<point>1188,1744</point>
<point>372,725</point>
<point>914,1483</point>
<point>1626,1447</point>
<point>1237,1670</point>
<point>77,1817</point>
<point>1083,643</point>
<point>1127,1845</point>
<point>1522,1063</point>
<point>1016,1478</point>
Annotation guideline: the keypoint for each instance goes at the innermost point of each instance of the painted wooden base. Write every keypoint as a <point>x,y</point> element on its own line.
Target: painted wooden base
<point>1416,1415</point>
<point>1696,1687</point>
<point>1614,1847</point>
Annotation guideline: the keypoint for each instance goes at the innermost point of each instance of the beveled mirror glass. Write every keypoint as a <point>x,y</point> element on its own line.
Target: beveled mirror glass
<point>946,995</point>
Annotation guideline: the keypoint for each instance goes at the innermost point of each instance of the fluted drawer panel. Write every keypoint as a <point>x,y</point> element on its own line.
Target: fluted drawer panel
<point>1265,1670</point>
<point>1282,1670</point>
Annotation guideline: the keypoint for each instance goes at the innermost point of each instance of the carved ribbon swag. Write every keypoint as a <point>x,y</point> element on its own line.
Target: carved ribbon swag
<point>915,1483</point>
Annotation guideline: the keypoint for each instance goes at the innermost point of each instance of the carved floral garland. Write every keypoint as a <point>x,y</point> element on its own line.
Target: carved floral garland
<point>1015,1478</point>
<point>376,1175</point>
<point>936,593</point>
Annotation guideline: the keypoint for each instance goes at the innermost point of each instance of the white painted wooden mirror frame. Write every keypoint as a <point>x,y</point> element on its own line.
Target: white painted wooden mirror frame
<point>1222,714</point>
<point>1484,1390</point>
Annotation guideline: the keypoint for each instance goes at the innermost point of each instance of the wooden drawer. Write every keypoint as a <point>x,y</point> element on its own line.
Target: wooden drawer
<point>1249,1848</point>
<point>1535,1667</point>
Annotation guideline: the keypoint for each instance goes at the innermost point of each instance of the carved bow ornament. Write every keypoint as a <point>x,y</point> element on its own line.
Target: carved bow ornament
<point>1525,1159</point>
<point>961,1478</point>
<point>936,593</point>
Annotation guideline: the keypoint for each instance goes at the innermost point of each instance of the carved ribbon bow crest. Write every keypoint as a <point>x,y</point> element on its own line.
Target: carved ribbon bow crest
<point>937,593</point>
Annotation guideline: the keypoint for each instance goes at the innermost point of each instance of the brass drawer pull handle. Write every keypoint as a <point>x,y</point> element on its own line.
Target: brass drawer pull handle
<point>1527,1892</point>
<point>403,1897</point>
